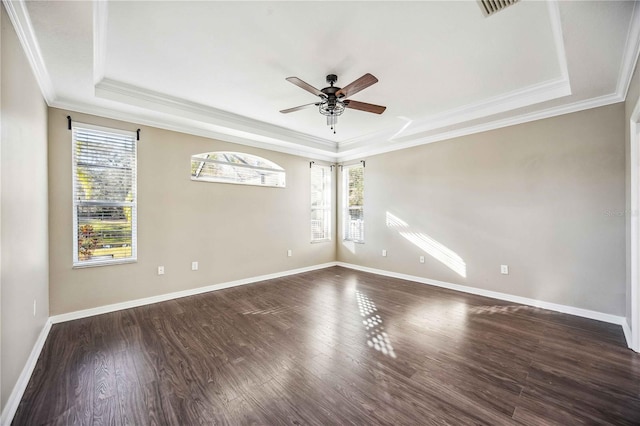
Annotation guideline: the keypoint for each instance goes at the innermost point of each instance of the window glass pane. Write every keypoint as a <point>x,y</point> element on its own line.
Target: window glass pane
<point>355,222</point>
<point>320,202</point>
<point>240,158</point>
<point>234,167</point>
<point>356,187</point>
<point>320,220</point>
<point>104,167</point>
<point>104,233</point>
<point>215,172</point>
<point>353,201</point>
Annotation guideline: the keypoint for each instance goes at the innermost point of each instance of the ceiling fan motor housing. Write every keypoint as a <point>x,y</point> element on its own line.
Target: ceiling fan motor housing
<point>330,91</point>
<point>331,105</point>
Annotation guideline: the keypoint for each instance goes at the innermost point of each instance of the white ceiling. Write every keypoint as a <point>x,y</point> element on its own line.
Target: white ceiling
<point>218,69</point>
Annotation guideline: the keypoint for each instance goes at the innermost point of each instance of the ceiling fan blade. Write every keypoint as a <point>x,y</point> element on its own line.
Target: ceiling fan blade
<point>363,106</point>
<point>358,85</point>
<point>298,108</point>
<point>306,86</point>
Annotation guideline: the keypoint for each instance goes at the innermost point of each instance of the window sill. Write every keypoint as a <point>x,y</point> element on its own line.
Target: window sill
<point>353,241</point>
<point>89,264</point>
<point>326,240</point>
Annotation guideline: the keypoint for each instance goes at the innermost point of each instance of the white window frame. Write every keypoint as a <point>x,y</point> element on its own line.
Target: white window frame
<point>327,197</point>
<point>346,222</point>
<point>77,263</point>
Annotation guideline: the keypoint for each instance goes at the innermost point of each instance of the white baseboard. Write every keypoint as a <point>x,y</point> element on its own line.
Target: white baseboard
<point>600,316</point>
<point>23,380</point>
<point>178,294</point>
<point>627,334</point>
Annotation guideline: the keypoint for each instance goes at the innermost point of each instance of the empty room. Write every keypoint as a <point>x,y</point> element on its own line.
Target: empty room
<point>320,212</point>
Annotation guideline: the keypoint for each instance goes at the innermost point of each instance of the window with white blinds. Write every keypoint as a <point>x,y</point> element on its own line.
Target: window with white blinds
<point>320,203</point>
<point>104,195</point>
<point>353,202</point>
<point>236,167</point>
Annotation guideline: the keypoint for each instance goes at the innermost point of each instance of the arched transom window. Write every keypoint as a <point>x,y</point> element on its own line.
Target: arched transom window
<point>236,167</point>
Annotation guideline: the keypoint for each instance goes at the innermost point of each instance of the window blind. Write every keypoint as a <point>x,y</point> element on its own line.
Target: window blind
<point>104,195</point>
<point>353,191</point>
<point>320,203</point>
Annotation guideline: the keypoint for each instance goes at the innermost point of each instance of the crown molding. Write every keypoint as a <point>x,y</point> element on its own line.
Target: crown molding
<point>520,98</point>
<point>100,15</point>
<point>384,146</point>
<point>630,56</point>
<point>558,37</point>
<point>224,120</point>
<point>192,128</point>
<point>19,16</point>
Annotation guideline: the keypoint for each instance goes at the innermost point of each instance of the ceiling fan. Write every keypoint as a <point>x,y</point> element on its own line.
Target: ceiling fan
<point>333,100</point>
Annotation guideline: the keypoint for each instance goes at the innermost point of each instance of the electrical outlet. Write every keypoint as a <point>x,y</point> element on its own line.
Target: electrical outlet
<point>384,253</point>
<point>289,253</point>
<point>504,269</point>
<point>34,307</point>
<point>421,259</point>
<point>160,270</point>
<point>194,266</point>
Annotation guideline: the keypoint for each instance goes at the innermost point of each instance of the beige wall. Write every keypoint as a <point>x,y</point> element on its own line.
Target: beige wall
<point>633,94</point>
<point>546,198</point>
<point>23,231</point>
<point>233,231</point>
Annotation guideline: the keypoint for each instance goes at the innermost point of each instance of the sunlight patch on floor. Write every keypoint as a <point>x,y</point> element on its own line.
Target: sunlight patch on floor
<point>377,338</point>
<point>497,309</point>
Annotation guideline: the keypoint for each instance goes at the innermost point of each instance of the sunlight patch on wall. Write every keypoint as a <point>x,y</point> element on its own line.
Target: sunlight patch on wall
<point>432,247</point>
<point>438,251</point>
<point>407,123</point>
<point>350,245</point>
<point>394,221</point>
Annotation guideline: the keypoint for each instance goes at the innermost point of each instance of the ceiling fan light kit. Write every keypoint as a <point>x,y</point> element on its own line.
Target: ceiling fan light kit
<point>333,99</point>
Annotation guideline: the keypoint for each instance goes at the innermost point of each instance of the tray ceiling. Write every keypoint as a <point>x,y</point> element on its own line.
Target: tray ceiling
<point>218,68</point>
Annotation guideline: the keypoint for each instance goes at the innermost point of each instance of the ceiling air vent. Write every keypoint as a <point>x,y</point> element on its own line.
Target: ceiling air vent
<point>490,7</point>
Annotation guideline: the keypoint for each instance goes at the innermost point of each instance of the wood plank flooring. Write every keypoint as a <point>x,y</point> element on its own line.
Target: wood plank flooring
<point>334,346</point>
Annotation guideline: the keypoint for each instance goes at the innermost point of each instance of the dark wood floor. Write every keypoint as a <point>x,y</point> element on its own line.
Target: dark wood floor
<point>334,346</point>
